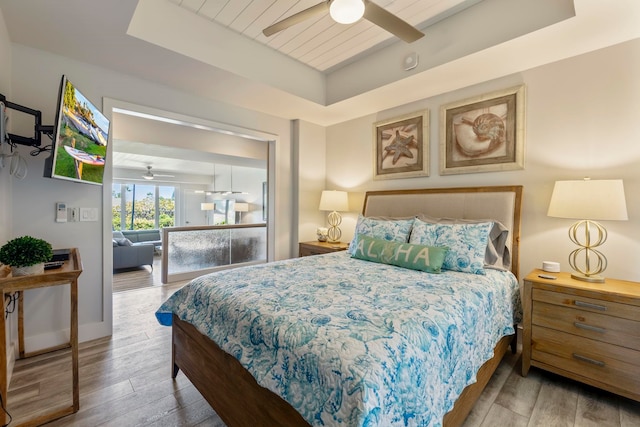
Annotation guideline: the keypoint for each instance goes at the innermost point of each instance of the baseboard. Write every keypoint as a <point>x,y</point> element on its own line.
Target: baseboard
<point>86,332</point>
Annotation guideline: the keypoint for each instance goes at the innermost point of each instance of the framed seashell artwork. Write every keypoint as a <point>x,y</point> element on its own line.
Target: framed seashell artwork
<point>483,134</point>
<point>401,146</point>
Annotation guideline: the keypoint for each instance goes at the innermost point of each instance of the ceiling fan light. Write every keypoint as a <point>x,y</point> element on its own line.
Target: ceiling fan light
<point>149,177</point>
<point>346,11</point>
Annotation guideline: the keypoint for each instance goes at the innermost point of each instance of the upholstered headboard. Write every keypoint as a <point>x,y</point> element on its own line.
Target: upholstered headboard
<point>497,203</point>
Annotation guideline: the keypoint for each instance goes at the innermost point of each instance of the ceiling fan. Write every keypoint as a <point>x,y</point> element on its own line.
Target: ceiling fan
<point>348,12</point>
<point>150,175</point>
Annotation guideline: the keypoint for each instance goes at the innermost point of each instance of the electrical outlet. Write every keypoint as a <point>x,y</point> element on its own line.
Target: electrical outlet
<point>72,214</point>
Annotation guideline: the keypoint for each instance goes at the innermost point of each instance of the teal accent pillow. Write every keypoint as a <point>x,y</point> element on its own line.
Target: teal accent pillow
<point>407,255</point>
<point>390,229</point>
<point>467,243</point>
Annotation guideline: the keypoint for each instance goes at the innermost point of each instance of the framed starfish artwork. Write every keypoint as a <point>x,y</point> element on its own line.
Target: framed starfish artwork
<point>483,134</point>
<point>401,146</point>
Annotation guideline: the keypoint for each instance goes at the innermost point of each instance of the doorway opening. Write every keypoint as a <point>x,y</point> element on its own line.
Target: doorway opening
<point>194,163</point>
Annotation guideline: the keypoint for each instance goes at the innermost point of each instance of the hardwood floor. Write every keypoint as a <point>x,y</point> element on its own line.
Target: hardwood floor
<point>125,380</point>
<point>546,399</point>
<point>127,279</point>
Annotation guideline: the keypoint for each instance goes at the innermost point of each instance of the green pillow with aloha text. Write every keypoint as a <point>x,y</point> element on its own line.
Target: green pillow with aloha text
<point>407,255</point>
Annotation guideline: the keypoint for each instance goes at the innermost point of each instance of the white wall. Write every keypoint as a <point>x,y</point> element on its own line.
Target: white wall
<point>582,120</point>
<point>11,325</point>
<point>310,166</point>
<point>36,77</point>
<point>5,89</point>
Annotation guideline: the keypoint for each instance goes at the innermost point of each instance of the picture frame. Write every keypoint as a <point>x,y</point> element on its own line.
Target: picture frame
<point>484,133</point>
<point>401,146</point>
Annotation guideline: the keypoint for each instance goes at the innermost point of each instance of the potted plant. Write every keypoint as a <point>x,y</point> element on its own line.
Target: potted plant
<point>26,255</point>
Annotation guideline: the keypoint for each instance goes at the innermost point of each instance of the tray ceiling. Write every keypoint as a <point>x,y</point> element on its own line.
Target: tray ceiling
<point>319,42</point>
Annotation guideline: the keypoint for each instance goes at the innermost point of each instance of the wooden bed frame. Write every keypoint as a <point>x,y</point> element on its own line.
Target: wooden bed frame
<point>240,401</point>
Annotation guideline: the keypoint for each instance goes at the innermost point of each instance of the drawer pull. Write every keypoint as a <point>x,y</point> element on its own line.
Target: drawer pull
<point>588,360</point>
<point>590,305</point>
<point>589,327</point>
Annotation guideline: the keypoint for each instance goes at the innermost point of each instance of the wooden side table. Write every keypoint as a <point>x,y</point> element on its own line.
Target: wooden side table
<point>317,248</point>
<point>67,274</point>
<point>589,332</point>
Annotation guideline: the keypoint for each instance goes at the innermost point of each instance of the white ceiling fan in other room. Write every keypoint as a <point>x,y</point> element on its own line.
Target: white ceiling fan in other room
<point>348,12</point>
<point>150,175</point>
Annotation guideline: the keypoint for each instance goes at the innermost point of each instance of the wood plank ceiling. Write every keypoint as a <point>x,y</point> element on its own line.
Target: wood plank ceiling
<point>318,42</point>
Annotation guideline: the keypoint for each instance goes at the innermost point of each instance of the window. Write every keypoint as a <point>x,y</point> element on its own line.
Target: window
<point>142,206</point>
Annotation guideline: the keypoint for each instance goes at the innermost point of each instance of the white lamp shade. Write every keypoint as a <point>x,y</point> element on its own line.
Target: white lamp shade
<point>334,201</point>
<point>346,11</point>
<point>207,206</point>
<point>241,207</point>
<point>589,199</point>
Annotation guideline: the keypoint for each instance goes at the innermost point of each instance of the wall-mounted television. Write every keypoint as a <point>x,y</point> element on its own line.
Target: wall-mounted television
<point>80,137</point>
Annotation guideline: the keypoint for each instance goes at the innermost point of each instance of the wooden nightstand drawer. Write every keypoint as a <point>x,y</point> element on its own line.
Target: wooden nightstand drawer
<point>601,327</point>
<point>318,248</point>
<point>586,331</point>
<point>594,360</point>
<point>594,305</point>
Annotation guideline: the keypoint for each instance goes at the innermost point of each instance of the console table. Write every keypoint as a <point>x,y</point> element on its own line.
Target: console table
<point>67,274</point>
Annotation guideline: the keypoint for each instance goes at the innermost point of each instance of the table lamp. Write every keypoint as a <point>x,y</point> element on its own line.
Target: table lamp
<point>334,201</point>
<point>241,207</point>
<point>207,207</point>
<point>589,201</point>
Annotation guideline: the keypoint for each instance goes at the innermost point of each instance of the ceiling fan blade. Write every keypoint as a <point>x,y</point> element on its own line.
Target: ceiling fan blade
<point>296,18</point>
<point>150,175</point>
<point>388,21</point>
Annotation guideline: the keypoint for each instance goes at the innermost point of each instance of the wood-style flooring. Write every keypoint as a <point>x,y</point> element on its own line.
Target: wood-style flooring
<point>126,279</point>
<point>125,380</point>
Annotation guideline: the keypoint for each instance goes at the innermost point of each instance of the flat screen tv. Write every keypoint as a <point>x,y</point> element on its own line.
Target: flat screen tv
<point>80,137</point>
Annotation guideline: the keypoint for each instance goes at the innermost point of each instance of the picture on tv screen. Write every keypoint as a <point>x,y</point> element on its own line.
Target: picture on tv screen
<point>80,138</point>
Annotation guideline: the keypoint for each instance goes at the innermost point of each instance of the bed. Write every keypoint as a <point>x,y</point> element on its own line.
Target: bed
<point>338,340</point>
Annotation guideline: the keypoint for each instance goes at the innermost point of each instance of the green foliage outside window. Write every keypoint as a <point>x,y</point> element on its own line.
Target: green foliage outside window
<point>145,209</point>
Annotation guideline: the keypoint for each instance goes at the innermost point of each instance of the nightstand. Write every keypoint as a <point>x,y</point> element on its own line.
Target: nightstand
<point>317,248</point>
<point>589,332</point>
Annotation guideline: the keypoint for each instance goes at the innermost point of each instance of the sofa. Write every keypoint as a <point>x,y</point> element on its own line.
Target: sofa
<point>128,254</point>
<point>144,236</point>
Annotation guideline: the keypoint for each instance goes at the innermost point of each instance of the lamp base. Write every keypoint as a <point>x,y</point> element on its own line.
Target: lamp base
<point>584,271</point>
<point>594,278</point>
<point>334,233</point>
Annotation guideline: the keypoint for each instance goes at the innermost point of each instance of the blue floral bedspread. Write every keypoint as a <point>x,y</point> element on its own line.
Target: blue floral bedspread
<point>354,343</point>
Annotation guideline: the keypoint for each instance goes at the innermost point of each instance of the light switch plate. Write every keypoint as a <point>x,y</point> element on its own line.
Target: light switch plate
<point>88,214</point>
